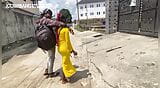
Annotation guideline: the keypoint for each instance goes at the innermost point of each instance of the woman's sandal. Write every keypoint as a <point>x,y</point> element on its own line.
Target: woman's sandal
<point>66,80</point>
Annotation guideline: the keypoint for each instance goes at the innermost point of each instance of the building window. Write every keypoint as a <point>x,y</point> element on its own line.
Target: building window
<point>81,7</point>
<point>86,14</point>
<point>98,5</point>
<point>81,15</point>
<point>91,6</point>
<point>85,6</point>
<point>103,12</point>
<point>104,4</point>
<point>92,13</point>
<point>98,13</point>
<point>116,9</point>
<point>35,1</point>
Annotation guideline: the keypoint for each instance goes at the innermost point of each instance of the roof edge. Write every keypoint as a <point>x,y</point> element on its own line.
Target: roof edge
<point>81,2</point>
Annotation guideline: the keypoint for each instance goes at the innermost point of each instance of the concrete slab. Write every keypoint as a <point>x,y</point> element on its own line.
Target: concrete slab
<point>123,60</point>
<point>118,60</point>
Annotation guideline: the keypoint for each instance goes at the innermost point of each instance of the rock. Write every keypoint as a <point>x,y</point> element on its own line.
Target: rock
<point>155,84</point>
<point>142,52</point>
<point>84,84</point>
<point>151,64</point>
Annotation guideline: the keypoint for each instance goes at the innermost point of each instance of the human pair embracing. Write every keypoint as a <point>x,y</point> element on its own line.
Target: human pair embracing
<point>50,33</point>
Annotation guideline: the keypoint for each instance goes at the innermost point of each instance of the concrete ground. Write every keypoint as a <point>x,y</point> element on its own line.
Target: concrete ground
<point>117,60</point>
<point>25,70</point>
<point>123,60</point>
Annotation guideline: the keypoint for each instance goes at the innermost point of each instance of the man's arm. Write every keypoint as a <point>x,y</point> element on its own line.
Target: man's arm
<point>55,23</point>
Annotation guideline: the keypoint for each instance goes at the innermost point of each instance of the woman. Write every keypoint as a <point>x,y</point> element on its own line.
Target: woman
<point>65,49</point>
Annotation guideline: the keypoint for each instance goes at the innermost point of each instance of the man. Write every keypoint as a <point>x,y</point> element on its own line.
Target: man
<point>45,19</point>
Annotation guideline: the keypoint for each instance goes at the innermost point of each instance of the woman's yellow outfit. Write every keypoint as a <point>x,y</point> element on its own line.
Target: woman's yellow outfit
<point>65,48</point>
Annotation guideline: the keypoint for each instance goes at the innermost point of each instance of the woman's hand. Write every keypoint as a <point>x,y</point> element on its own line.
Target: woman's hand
<point>74,53</point>
<point>71,31</point>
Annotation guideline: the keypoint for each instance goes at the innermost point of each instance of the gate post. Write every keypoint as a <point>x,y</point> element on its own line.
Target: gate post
<point>158,23</point>
<point>111,16</point>
<point>0,43</point>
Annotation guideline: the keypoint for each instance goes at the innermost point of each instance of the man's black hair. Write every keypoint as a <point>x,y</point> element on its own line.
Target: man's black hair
<point>46,11</point>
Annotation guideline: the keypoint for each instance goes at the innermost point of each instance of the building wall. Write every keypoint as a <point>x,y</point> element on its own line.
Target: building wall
<point>158,26</point>
<point>16,26</point>
<point>0,41</point>
<point>92,12</point>
<point>112,15</point>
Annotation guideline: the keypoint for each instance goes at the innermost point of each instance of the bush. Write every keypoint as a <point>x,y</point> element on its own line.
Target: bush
<point>79,28</point>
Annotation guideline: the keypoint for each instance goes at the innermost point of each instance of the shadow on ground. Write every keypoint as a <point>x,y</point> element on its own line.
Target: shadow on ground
<point>27,48</point>
<point>78,75</point>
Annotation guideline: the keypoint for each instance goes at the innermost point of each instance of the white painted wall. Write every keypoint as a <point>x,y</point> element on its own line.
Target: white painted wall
<point>89,10</point>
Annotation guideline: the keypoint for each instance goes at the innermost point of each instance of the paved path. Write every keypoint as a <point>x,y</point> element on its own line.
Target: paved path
<point>117,60</point>
<point>26,70</point>
<point>122,60</point>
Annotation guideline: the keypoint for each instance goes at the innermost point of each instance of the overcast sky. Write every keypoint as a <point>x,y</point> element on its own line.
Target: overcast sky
<point>56,5</point>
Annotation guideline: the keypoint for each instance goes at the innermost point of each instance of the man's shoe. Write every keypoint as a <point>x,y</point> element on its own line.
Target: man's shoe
<point>54,74</point>
<point>46,72</point>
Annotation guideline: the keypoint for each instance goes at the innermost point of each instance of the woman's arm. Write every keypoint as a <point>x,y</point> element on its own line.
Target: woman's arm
<point>69,45</point>
<point>67,38</point>
<point>71,31</point>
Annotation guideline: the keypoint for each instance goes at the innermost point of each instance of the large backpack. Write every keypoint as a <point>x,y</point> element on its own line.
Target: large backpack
<point>45,37</point>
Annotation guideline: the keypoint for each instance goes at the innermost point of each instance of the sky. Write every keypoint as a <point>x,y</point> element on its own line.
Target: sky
<point>56,5</point>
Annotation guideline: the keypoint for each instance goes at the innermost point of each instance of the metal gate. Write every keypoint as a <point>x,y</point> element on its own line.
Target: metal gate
<point>140,19</point>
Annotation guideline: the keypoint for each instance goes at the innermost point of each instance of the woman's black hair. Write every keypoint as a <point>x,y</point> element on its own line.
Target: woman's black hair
<point>66,16</point>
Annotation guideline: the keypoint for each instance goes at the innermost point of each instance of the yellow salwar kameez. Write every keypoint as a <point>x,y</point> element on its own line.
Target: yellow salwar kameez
<point>65,48</point>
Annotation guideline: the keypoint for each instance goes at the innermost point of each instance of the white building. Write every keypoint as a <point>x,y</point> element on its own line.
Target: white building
<point>90,9</point>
